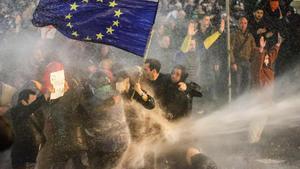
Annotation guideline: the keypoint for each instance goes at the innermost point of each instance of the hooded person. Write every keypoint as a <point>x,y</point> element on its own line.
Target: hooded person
<point>63,121</point>
<point>25,147</point>
<point>107,132</point>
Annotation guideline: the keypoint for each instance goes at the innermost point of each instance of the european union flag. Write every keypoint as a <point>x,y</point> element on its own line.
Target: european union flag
<point>125,24</point>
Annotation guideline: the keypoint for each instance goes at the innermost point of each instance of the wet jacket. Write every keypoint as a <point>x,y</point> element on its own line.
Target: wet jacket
<point>263,75</point>
<point>107,129</point>
<point>63,127</point>
<point>135,118</point>
<point>25,147</point>
<point>241,53</point>
<point>178,103</point>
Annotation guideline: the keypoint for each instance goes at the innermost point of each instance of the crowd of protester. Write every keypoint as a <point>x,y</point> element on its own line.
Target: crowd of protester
<point>188,59</point>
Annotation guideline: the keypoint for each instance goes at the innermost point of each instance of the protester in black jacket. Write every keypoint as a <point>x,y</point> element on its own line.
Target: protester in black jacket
<point>178,100</point>
<point>25,147</point>
<point>155,80</point>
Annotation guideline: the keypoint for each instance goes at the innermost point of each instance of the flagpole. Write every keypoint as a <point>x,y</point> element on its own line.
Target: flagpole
<point>148,44</point>
<point>228,50</point>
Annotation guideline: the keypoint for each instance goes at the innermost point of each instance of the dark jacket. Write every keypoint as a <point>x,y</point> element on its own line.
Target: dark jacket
<point>178,103</point>
<point>25,147</point>
<point>107,129</point>
<point>149,104</point>
<point>254,26</point>
<point>64,123</point>
<point>159,87</point>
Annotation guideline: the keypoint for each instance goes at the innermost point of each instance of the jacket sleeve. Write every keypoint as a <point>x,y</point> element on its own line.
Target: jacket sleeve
<point>211,39</point>
<point>37,103</point>
<point>208,42</point>
<point>273,54</point>
<point>232,45</point>
<point>253,46</point>
<point>186,43</point>
<point>148,104</point>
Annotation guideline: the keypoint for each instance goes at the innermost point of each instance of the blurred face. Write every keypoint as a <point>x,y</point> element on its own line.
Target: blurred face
<point>106,64</point>
<point>148,73</point>
<point>181,15</point>
<point>274,5</point>
<point>31,99</point>
<point>176,75</point>
<point>258,14</point>
<point>243,24</point>
<point>205,22</point>
<point>267,60</point>
<point>165,42</point>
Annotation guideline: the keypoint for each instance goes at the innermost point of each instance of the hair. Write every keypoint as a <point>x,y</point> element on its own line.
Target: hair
<point>154,64</point>
<point>258,8</point>
<point>24,95</point>
<point>240,19</point>
<point>204,15</point>
<point>184,73</point>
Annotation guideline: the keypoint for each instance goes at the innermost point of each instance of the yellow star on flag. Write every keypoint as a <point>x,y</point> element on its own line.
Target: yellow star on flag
<point>74,6</point>
<point>87,38</point>
<point>69,16</point>
<point>112,4</point>
<point>109,30</point>
<point>99,0</point>
<point>69,25</point>
<point>85,1</point>
<point>75,34</point>
<point>116,23</point>
<point>118,13</point>
<point>99,36</point>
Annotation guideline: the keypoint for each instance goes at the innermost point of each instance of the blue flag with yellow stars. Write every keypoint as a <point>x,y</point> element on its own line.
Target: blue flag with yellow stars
<point>125,24</point>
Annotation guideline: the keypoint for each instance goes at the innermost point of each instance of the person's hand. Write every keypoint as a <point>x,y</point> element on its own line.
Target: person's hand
<point>47,95</point>
<point>182,86</point>
<point>234,67</point>
<point>262,43</point>
<point>261,30</point>
<point>279,39</point>
<point>137,87</point>
<point>222,26</point>
<point>37,85</point>
<point>192,29</point>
